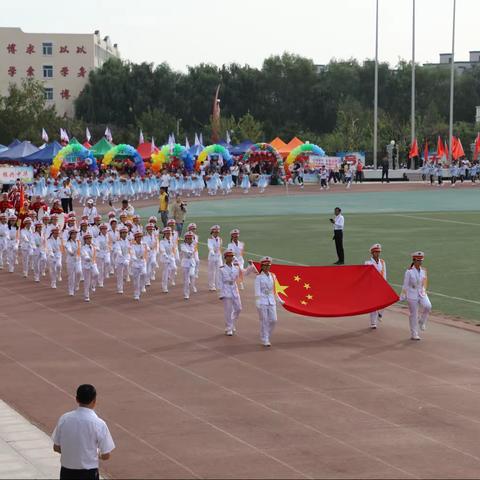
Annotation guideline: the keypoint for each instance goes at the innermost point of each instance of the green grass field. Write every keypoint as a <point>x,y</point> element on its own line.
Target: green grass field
<point>444,224</point>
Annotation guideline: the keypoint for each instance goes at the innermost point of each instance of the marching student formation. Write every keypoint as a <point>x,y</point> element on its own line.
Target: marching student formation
<point>42,242</point>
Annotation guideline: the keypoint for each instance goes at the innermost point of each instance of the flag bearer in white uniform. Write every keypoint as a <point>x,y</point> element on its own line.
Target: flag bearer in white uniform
<point>3,237</point>
<point>39,252</point>
<point>187,255</point>
<point>121,249</point>
<point>73,261</point>
<point>174,239</point>
<point>214,257</point>
<point>25,244</point>
<point>89,266</point>
<point>102,242</point>
<point>139,256</point>
<point>113,236</point>
<point>13,236</point>
<point>228,276</point>
<point>54,256</point>
<point>151,240</point>
<point>265,301</point>
<point>415,292</point>
<point>379,264</point>
<point>237,247</point>
<point>167,259</point>
<point>192,227</point>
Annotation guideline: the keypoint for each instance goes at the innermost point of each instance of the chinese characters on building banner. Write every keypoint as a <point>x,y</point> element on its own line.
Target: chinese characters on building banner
<point>10,173</point>
<point>315,162</point>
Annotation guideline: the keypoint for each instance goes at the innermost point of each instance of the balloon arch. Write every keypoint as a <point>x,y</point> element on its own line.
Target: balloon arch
<point>263,151</point>
<point>74,150</point>
<point>214,150</point>
<point>166,155</point>
<point>304,149</point>
<point>125,151</point>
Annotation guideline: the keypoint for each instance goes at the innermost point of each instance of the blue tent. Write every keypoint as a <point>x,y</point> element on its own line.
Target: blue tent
<point>18,152</point>
<point>3,148</point>
<point>241,148</point>
<point>14,143</point>
<point>44,155</point>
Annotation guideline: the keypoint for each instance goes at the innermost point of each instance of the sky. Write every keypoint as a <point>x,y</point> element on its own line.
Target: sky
<point>188,32</point>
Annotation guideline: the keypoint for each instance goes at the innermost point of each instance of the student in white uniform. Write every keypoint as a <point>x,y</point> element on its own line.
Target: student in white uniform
<point>89,266</point>
<point>102,242</point>
<point>214,257</point>
<point>54,256</point>
<point>192,227</point>
<point>167,259</point>
<point>265,301</point>
<point>188,263</point>
<point>39,251</point>
<point>3,237</point>
<point>73,261</point>
<point>237,247</point>
<point>13,236</point>
<point>90,211</point>
<point>26,245</point>
<point>121,249</point>
<point>415,292</point>
<point>379,264</point>
<point>174,239</point>
<point>139,256</point>
<point>151,240</point>
<point>228,276</point>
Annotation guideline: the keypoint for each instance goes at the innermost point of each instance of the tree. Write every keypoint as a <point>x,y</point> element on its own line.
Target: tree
<point>250,128</point>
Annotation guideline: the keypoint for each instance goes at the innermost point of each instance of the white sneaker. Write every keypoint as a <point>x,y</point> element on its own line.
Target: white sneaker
<point>423,327</point>
<point>194,289</point>
<point>228,333</point>
<point>373,327</point>
<point>87,299</point>
<point>186,298</point>
<point>416,337</point>
<point>54,286</point>
<point>120,292</point>
<point>267,344</point>
<point>136,298</point>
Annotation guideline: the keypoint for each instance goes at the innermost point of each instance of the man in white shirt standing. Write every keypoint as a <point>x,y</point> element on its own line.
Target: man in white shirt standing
<point>338,224</point>
<point>82,438</point>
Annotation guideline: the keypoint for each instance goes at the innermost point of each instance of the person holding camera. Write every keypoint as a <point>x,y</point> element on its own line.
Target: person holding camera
<point>179,212</point>
<point>338,224</point>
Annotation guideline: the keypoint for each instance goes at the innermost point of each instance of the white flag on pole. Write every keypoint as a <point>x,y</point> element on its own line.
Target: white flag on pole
<point>187,143</point>
<point>197,141</point>
<point>173,138</point>
<point>108,135</point>
<point>140,138</point>
<point>87,135</point>
<point>44,135</point>
<point>201,138</point>
<point>229,140</point>
<point>153,148</point>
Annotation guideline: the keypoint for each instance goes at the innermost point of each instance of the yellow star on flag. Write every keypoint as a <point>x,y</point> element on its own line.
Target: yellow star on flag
<point>306,286</point>
<point>303,302</point>
<point>296,278</point>
<point>309,297</point>
<point>280,289</point>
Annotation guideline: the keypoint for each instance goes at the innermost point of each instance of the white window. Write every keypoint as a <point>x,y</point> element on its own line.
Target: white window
<point>47,48</point>
<point>48,93</point>
<point>47,71</point>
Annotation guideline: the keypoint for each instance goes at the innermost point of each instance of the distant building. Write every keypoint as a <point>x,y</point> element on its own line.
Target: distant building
<point>460,66</point>
<point>61,60</point>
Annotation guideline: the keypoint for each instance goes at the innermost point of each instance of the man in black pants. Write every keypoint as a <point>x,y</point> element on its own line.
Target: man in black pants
<point>338,224</point>
<point>385,170</point>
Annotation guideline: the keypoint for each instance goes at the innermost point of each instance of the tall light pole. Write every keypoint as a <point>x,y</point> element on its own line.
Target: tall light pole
<point>375,95</point>
<point>413,73</point>
<point>452,80</point>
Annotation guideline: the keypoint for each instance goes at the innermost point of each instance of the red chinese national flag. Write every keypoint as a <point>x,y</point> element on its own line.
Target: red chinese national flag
<point>331,291</point>
<point>413,149</point>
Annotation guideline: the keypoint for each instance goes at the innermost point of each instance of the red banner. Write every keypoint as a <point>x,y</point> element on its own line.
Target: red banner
<point>337,291</point>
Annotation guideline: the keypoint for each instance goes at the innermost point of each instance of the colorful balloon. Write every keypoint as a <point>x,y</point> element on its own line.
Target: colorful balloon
<point>72,150</point>
<point>262,149</point>
<point>211,150</point>
<point>305,150</point>
<point>126,151</point>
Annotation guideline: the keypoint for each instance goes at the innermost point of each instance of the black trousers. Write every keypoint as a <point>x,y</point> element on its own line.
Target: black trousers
<point>385,175</point>
<point>69,474</point>
<point>67,204</point>
<point>338,237</point>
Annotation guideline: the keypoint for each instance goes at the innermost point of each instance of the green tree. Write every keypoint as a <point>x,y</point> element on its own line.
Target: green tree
<point>250,128</point>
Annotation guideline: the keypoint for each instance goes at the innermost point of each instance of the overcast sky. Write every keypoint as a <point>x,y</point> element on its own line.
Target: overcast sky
<point>188,32</point>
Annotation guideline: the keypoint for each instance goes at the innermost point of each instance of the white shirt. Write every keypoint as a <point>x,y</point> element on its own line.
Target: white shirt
<point>227,279</point>
<point>82,436</point>
<point>380,266</point>
<point>265,289</point>
<point>91,212</point>
<point>339,222</point>
<point>414,284</point>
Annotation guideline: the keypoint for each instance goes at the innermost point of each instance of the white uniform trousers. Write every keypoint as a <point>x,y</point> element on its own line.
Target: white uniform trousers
<point>25,254</point>
<point>89,281</point>
<point>55,269</point>
<point>423,304</point>
<point>73,276</point>
<point>121,272</point>
<point>3,250</point>
<point>188,281</point>
<point>169,270</point>
<point>213,274</point>
<point>374,316</point>
<point>103,265</point>
<point>11,258</point>
<point>268,318</point>
<point>151,267</point>
<point>232,306</point>
<point>138,277</point>
<point>39,260</point>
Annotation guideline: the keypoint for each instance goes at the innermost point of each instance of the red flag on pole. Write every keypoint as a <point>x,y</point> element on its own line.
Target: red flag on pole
<point>331,291</point>
<point>22,196</point>
<point>413,149</point>
<point>440,148</point>
<point>457,149</point>
<point>477,147</point>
